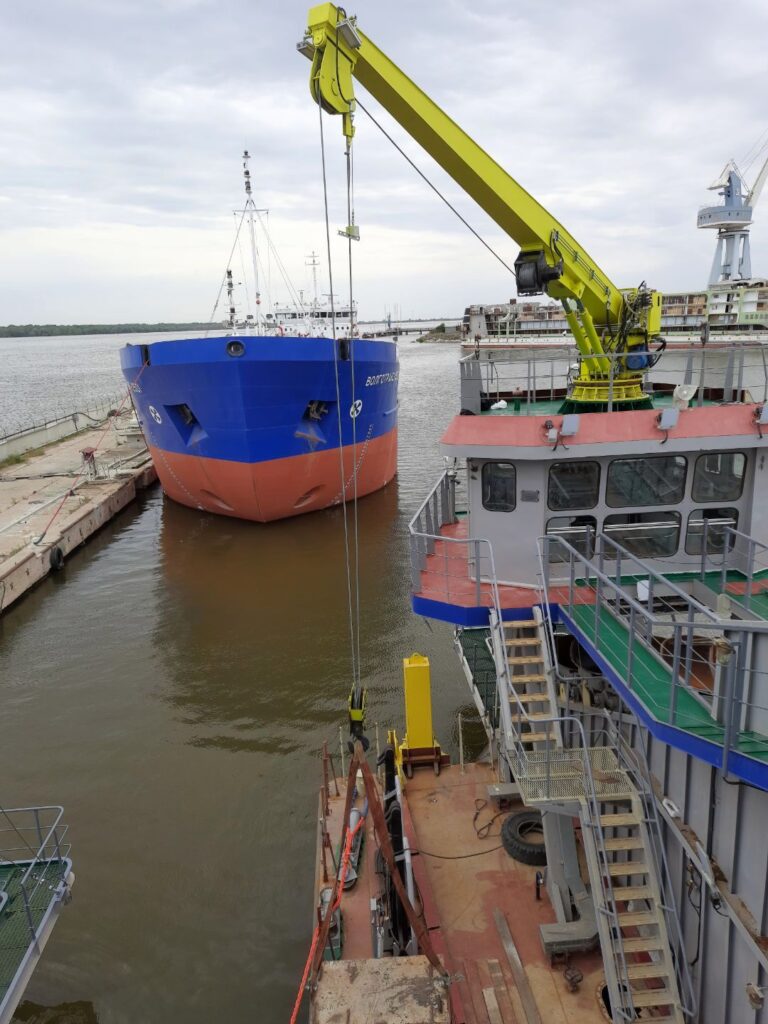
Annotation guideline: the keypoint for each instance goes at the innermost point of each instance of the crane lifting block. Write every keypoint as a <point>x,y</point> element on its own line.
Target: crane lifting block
<point>419,746</point>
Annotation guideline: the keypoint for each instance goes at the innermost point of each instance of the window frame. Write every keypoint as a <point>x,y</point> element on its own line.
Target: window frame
<point>719,500</point>
<point>702,510</point>
<point>487,465</point>
<point>573,462</point>
<point>660,505</point>
<point>651,511</point>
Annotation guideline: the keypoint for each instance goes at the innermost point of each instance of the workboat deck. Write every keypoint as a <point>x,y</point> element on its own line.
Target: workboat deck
<point>16,926</point>
<point>483,917</point>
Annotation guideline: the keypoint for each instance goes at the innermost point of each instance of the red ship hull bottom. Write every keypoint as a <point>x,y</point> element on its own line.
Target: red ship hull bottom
<point>277,488</point>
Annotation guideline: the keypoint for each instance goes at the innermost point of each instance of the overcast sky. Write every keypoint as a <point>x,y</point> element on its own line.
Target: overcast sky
<point>122,123</point>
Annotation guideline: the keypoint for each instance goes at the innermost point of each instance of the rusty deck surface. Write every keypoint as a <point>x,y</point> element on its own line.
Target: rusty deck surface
<point>458,899</point>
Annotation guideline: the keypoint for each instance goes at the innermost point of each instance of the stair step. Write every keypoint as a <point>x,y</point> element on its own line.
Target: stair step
<point>633,892</point>
<point>520,623</point>
<point>653,997</point>
<point>628,867</point>
<point>624,843</point>
<point>532,678</point>
<point>614,820</point>
<point>539,716</point>
<point>646,971</point>
<point>530,698</point>
<point>523,641</point>
<point>525,659</point>
<point>636,918</point>
<point>535,737</point>
<point>643,943</point>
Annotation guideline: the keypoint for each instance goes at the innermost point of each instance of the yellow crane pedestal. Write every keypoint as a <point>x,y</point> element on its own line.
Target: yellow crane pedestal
<point>419,746</point>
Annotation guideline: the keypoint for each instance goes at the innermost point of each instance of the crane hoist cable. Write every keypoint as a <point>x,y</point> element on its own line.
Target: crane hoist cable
<point>356,696</point>
<point>435,189</point>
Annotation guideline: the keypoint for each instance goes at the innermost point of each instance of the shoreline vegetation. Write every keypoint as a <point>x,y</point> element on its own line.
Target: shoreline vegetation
<point>55,330</point>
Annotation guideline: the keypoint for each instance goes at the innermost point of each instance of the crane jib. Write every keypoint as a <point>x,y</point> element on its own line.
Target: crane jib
<point>612,327</point>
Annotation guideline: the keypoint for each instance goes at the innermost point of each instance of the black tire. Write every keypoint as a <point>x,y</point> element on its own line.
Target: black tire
<point>56,559</point>
<point>515,833</point>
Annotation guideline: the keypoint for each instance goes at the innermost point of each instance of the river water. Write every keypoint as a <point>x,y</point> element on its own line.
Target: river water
<point>172,688</point>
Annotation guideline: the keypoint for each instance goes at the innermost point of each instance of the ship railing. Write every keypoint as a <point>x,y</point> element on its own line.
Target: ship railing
<point>720,371</point>
<point>675,654</point>
<point>449,567</point>
<point>727,551</point>
<point>33,841</point>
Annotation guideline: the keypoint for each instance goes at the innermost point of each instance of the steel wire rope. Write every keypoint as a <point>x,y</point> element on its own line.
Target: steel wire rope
<point>245,274</point>
<point>435,189</point>
<point>224,276</point>
<point>355,679</point>
<point>350,221</point>
<point>355,530</point>
<point>294,296</point>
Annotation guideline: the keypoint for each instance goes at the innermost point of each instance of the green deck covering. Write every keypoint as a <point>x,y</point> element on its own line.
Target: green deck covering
<point>652,681</point>
<point>15,936</point>
<point>475,650</point>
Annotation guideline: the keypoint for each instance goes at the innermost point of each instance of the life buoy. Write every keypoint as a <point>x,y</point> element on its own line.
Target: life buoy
<point>56,559</point>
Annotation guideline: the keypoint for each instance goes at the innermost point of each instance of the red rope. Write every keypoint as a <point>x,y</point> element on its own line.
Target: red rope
<point>80,475</point>
<point>332,908</point>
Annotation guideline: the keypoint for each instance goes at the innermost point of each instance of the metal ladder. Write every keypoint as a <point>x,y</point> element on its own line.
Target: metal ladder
<point>609,788</point>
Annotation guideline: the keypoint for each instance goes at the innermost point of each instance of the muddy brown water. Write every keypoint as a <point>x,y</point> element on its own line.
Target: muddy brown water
<point>172,688</point>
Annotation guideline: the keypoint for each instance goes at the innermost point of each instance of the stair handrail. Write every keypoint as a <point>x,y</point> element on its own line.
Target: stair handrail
<point>636,765</point>
<point>622,996</point>
<point>661,865</point>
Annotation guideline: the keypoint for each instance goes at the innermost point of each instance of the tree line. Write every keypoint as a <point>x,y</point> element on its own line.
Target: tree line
<point>48,330</point>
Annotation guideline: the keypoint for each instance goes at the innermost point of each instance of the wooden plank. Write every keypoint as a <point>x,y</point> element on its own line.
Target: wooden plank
<point>494,1013</point>
<point>474,989</point>
<point>503,995</point>
<point>530,1008</point>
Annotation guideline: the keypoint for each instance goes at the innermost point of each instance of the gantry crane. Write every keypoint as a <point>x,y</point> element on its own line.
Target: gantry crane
<point>613,327</point>
<point>733,260</point>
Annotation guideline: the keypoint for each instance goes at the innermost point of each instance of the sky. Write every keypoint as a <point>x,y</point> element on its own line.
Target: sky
<point>122,124</point>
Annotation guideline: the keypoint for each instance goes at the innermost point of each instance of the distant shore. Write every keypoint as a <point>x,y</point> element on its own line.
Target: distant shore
<point>55,330</point>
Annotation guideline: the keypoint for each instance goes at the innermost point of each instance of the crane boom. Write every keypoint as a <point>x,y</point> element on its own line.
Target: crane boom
<point>609,324</point>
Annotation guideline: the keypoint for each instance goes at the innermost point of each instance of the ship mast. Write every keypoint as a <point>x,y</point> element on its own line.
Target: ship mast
<point>231,299</point>
<point>313,260</point>
<point>251,208</point>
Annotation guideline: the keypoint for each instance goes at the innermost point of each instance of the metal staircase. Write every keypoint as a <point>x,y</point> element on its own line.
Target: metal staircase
<point>608,787</point>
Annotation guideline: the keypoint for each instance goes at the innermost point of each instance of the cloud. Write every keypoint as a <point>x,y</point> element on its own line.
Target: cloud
<point>122,125</point>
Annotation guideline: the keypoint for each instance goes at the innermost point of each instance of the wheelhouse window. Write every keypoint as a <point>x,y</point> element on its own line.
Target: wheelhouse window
<point>717,521</point>
<point>578,531</point>
<point>719,476</point>
<point>646,480</point>
<point>573,485</point>
<point>499,486</point>
<point>645,534</point>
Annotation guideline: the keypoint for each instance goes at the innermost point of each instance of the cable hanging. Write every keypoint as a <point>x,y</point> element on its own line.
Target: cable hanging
<point>352,632</point>
<point>436,190</point>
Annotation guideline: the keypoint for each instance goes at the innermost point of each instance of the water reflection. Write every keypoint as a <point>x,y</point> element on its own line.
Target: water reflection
<point>64,1013</point>
<point>252,621</point>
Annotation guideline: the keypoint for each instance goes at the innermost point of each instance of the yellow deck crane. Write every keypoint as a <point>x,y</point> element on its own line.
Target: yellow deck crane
<point>613,327</point>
